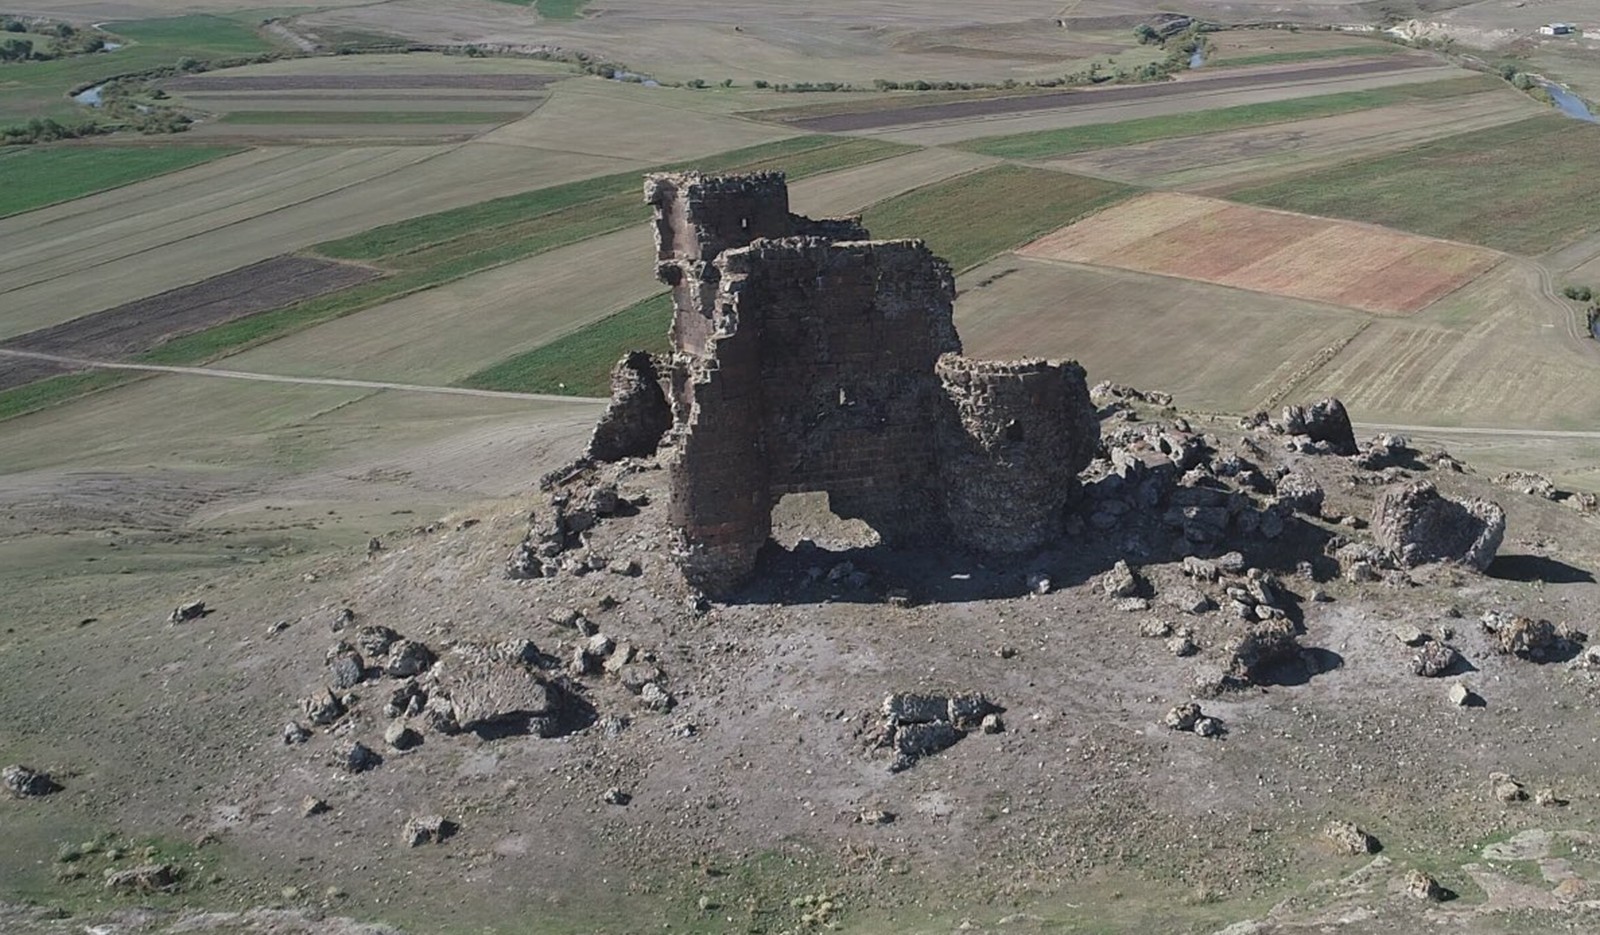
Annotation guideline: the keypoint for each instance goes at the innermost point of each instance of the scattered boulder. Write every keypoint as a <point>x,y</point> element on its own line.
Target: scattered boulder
<point>27,782</point>
<point>1420,886</point>
<point>294,733</point>
<point>407,658</point>
<point>400,736</point>
<point>1120,581</point>
<point>1418,525</point>
<point>148,878</point>
<point>1506,788</point>
<point>1300,492</point>
<point>1183,717</point>
<point>1182,646</point>
<point>374,641</point>
<point>656,698</point>
<point>483,687</point>
<point>1524,637</point>
<point>1433,659</point>
<point>192,610</point>
<point>1323,421</point>
<point>426,829</point>
<point>1264,644</point>
<point>1463,697</point>
<point>345,667</point>
<point>356,757</point>
<point>919,724</point>
<point>1208,727</point>
<point>322,707</point>
<point>312,805</point>
<point>615,796</point>
<point>1348,838</point>
<point>1533,485</point>
<point>912,742</point>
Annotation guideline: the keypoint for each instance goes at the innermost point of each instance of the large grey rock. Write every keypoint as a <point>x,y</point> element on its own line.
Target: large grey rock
<point>1418,526</point>
<point>484,687</point>
<point>1263,645</point>
<point>1301,493</point>
<point>912,742</point>
<point>149,878</point>
<point>26,782</point>
<point>425,829</point>
<point>1323,421</point>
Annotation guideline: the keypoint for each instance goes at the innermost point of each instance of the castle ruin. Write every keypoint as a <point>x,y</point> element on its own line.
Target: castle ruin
<point>807,357</point>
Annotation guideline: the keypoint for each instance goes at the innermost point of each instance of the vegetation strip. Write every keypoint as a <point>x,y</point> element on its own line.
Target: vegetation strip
<point>579,364</point>
<point>44,393</point>
<point>970,218</point>
<point>440,248</point>
<point>364,118</point>
<point>1046,143</point>
<point>1523,187</point>
<point>36,178</point>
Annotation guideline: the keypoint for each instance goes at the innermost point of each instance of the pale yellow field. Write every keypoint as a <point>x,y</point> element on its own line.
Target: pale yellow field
<point>1219,160</point>
<point>1293,255</point>
<point>1215,348</point>
<point>1497,353</point>
<point>444,334</point>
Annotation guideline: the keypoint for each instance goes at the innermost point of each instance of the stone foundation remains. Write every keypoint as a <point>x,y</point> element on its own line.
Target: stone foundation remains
<point>809,358</point>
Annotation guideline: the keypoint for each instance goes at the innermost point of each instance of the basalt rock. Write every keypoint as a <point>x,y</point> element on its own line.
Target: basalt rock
<point>1323,421</point>
<point>1417,525</point>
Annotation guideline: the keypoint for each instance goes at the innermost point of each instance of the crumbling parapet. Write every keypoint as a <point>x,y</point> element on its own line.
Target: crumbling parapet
<point>1010,450</point>
<point>809,358</point>
<point>637,416</point>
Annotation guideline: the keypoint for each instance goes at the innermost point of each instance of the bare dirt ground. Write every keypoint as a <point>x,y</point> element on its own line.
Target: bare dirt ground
<point>746,799</point>
<point>1216,81</point>
<point>137,326</point>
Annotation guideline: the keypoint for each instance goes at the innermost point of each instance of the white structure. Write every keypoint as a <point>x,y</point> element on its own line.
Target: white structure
<point>1556,29</point>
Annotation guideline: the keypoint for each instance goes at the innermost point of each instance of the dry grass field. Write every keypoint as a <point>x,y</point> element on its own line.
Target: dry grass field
<point>1318,260</point>
<point>1220,161</point>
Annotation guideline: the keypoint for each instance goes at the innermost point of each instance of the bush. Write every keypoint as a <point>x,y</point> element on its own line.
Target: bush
<point>1578,293</point>
<point>696,83</point>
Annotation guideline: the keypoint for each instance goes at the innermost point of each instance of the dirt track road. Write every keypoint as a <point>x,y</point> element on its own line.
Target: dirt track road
<point>79,364</point>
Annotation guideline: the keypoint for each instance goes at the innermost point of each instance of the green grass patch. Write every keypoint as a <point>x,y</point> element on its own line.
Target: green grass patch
<point>364,118</point>
<point>1305,55</point>
<point>39,89</point>
<point>441,248</point>
<point>1043,144</point>
<point>1524,187</point>
<point>35,177</point>
<point>617,196</point>
<point>580,363</point>
<point>973,217</point>
<point>52,391</point>
<point>560,9</point>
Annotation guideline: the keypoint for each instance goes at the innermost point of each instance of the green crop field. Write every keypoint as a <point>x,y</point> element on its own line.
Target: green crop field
<point>1524,187</point>
<point>580,363</point>
<point>447,246</point>
<point>971,218</point>
<point>620,194</point>
<point>22,400</point>
<point>365,118</point>
<point>33,178</point>
<point>1046,143</point>
<point>1306,55</point>
<point>39,89</point>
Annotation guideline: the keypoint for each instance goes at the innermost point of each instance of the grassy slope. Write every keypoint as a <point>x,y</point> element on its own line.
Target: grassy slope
<point>348,117</point>
<point>1525,187</point>
<point>440,248</point>
<point>35,177</point>
<point>971,218</point>
<point>35,396</point>
<point>1046,143</point>
<point>580,363</point>
<point>39,89</point>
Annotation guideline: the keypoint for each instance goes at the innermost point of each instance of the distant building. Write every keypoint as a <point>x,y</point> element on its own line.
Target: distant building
<point>1556,29</point>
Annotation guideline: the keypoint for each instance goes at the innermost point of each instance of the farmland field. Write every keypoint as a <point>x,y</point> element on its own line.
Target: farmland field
<point>1318,260</point>
<point>972,217</point>
<point>1047,143</point>
<point>365,117</point>
<point>1524,187</point>
<point>579,364</point>
<point>35,178</point>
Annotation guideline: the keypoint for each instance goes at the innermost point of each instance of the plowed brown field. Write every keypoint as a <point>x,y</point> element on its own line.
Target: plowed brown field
<point>1295,255</point>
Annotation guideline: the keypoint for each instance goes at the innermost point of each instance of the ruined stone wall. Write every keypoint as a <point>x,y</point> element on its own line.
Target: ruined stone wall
<point>808,358</point>
<point>1010,450</point>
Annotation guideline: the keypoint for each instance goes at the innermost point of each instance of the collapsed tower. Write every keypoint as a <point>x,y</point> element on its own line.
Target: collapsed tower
<point>805,358</point>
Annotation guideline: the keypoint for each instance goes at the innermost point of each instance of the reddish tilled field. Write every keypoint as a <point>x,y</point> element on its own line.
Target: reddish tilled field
<point>1295,255</point>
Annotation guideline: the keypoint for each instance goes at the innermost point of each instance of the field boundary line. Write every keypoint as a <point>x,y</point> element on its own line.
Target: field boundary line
<point>280,378</point>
